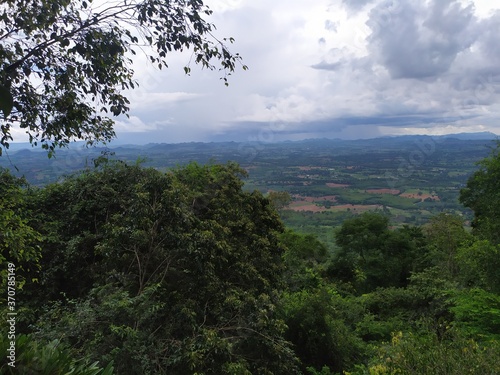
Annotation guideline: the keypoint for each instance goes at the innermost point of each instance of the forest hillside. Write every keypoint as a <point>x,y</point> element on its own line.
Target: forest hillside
<point>123,269</point>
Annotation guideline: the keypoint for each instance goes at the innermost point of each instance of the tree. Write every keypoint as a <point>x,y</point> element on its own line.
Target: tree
<point>445,234</point>
<point>64,63</point>
<point>371,255</point>
<point>304,259</point>
<point>477,312</point>
<point>280,199</point>
<point>482,195</point>
<point>19,241</point>
<point>173,273</point>
<point>317,326</point>
<point>479,263</point>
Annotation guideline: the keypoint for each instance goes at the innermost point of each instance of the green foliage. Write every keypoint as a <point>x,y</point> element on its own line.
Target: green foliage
<point>479,263</point>
<point>304,259</point>
<point>64,63</point>
<point>6,101</point>
<point>426,353</point>
<point>163,272</point>
<point>432,289</point>
<point>482,195</point>
<point>325,370</point>
<point>19,241</point>
<point>477,312</point>
<point>34,357</point>
<point>320,331</point>
<point>280,199</point>
<point>387,310</point>
<point>371,255</point>
<point>445,234</point>
<point>186,273</point>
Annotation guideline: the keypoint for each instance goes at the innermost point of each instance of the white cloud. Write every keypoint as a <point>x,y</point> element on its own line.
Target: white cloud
<point>143,100</point>
<point>331,67</point>
<point>133,124</point>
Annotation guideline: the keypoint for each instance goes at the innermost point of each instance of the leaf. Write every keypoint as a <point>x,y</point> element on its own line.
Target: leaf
<point>6,101</point>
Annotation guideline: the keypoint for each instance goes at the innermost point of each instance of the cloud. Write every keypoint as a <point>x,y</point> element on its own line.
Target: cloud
<point>420,40</point>
<point>356,5</point>
<point>323,65</point>
<point>339,68</point>
<point>154,100</point>
<point>133,124</point>
<point>331,26</point>
<point>431,62</point>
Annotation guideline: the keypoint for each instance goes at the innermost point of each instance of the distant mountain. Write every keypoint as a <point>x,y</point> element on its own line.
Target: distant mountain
<point>461,136</point>
<point>199,146</point>
<point>473,136</point>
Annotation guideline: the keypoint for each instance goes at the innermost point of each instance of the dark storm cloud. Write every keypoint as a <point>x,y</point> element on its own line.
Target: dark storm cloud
<point>412,39</point>
<point>404,120</point>
<point>267,132</point>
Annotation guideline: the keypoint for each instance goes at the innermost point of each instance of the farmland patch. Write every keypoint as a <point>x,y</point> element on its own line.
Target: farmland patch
<point>335,185</point>
<point>383,191</point>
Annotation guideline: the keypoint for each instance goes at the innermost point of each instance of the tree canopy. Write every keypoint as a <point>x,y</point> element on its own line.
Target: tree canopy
<point>64,64</point>
<point>172,273</point>
<point>125,269</point>
<point>482,195</point>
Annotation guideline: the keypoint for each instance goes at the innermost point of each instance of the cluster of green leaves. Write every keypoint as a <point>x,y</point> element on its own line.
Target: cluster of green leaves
<point>426,353</point>
<point>482,195</point>
<point>280,199</point>
<point>65,63</point>
<point>19,242</point>
<point>371,255</point>
<point>36,358</point>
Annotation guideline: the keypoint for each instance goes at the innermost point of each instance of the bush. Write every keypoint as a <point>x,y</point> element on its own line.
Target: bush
<point>425,353</point>
<point>46,358</point>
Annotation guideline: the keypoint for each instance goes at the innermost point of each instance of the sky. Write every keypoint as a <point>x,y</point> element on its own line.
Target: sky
<point>345,69</point>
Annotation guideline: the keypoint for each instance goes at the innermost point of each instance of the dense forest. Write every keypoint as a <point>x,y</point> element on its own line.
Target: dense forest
<point>124,269</point>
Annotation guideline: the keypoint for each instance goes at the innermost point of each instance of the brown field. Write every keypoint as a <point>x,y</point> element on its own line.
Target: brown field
<point>334,185</point>
<point>421,196</point>
<point>302,203</point>
<point>355,208</point>
<point>383,191</point>
<point>299,198</point>
<point>299,206</point>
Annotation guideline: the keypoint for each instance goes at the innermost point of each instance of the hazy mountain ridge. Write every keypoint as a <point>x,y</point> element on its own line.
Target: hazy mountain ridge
<point>34,164</point>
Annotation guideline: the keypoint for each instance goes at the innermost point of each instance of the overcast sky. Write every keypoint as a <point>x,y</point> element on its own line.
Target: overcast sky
<point>330,68</point>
